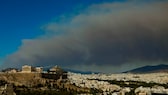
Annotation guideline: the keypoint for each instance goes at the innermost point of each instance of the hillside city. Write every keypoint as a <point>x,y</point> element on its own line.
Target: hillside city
<point>55,81</point>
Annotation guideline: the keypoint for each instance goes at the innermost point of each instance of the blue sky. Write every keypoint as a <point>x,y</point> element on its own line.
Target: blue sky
<point>88,35</point>
<point>22,19</point>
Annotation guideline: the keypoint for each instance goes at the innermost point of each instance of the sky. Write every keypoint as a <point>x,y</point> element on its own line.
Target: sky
<point>89,35</point>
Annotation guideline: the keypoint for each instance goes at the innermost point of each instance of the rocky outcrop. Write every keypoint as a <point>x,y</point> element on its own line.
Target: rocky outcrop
<point>37,82</point>
<point>23,79</point>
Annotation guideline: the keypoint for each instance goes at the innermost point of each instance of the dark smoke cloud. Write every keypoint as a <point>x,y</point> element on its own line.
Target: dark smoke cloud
<point>107,35</point>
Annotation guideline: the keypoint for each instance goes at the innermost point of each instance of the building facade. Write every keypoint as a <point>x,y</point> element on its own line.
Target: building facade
<point>39,69</point>
<point>28,69</point>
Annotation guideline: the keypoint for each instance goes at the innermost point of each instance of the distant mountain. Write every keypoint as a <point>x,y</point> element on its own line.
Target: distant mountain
<point>149,69</point>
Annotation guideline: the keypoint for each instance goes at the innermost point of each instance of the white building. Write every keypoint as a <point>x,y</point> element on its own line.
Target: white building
<point>39,69</point>
<point>28,69</point>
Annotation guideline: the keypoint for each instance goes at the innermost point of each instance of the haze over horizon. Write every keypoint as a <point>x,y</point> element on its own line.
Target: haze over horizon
<point>87,35</point>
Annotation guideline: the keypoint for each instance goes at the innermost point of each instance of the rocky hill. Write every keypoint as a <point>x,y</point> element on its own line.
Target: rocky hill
<point>20,79</point>
<point>150,69</point>
<point>28,83</point>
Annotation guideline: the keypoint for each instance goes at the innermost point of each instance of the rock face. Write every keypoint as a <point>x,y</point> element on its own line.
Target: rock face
<point>23,79</point>
<point>7,90</point>
<point>30,79</point>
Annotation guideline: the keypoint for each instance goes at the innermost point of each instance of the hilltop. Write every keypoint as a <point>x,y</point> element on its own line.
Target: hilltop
<point>149,69</point>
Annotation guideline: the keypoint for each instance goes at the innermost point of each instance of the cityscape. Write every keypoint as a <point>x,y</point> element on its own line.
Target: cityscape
<point>83,47</point>
<point>55,81</point>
